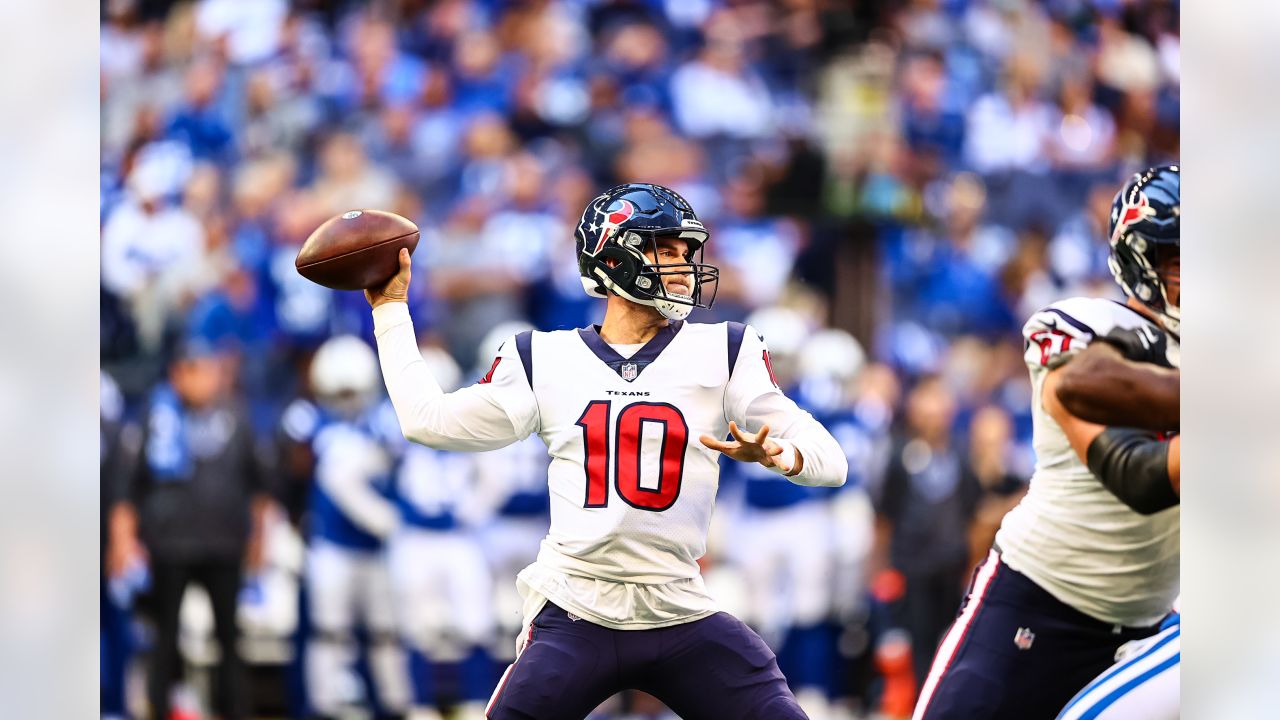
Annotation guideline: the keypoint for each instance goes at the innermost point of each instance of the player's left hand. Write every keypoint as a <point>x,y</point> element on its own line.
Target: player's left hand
<point>745,447</point>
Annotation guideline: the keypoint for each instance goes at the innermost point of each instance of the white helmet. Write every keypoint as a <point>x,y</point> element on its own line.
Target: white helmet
<point>345,367</point>
<point>493,340</point>
<point>832,353</point>
<point>442,367</point>
<point>783,328</point>
<point>829,361</point>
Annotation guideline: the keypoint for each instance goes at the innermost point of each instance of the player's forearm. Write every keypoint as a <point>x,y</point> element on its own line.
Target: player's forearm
<point>409,383</point>
<point>825,464</point>
<point>1102,387</point>
<point>427,414</point>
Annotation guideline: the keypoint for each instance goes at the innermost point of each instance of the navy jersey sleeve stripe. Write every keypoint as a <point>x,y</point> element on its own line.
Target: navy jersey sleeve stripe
<point>524,346</point>
<point>735,330</point>
<point>1071,321</point>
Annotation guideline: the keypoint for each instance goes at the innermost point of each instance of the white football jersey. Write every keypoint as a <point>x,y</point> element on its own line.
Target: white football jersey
<point>1070,534</point>
<point>632,488</point>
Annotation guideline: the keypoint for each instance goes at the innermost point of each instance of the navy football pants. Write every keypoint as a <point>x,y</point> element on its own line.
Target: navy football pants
<point>708,669</point>
<point>1016,652</point>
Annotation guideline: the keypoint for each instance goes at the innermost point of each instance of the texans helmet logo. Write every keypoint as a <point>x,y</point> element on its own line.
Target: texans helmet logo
<point>618,212</point>
<point>1132,212</point>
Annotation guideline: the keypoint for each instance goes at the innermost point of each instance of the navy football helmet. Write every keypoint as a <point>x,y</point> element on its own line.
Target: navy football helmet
<point>1145,219</point>
<point>624,222</point>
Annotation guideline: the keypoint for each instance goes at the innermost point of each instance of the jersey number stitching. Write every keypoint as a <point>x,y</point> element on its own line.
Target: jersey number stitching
<point>626,461</point>
<point>1046,338</point>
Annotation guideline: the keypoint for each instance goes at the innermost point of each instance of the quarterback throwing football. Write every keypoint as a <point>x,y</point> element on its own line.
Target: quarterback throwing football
<point>633,413</point>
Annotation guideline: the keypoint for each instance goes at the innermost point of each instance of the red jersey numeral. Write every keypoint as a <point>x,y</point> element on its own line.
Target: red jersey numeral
<point>626,462</point>
<point>1046,339</point>
<point>768,363</point>
<point>595,438</point>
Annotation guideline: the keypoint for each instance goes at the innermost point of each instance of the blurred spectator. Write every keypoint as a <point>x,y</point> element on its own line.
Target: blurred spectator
<point>948,280</point>
<point>1085,138</point>
<point>718,93</point>
<point>476,284</point>
<point>132,100</point>
<point>198,123</point>
<point>1009,128</point>
<point>277,118</point>
<point>152,249</point>
<point>925,510</point>
<point>932,122</point>
<point>990,441</point>
<point>482,79</point>
<point>121,47</point>
<point>248,30</point>
<point>755,252</point>
<point>193,507</point>
<point>1078,251</point>
<point>348,180</point>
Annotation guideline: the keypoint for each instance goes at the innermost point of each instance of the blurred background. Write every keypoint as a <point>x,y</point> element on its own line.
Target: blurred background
<point>892,188</point>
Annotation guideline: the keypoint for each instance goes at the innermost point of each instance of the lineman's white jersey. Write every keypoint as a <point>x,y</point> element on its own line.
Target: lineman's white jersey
<point>632,488</point>
<point>1070,534</point>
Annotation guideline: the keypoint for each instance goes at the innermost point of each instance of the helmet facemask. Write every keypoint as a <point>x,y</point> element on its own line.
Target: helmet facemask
<point>1141,267</point>
<point>624,268</point>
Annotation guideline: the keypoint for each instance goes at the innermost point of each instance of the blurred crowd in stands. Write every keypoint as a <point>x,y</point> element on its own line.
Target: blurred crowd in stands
<point>891,187</point>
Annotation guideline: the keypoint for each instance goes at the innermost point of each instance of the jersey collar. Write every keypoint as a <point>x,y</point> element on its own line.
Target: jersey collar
<point>629,368</point>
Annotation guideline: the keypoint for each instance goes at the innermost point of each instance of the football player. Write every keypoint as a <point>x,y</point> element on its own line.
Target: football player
<point>443,587</point>
<point>514,482</point>
<point>1088,561</point>
<point>444,592</point>
<point>632,413</point>
<point>787,574</point>
<point>1130,381</point>
<point>352,515</point>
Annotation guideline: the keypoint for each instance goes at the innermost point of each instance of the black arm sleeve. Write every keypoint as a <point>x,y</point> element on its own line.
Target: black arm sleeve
<point>1134,466</point>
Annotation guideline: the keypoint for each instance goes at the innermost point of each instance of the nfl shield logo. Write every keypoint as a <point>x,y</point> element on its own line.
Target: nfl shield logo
<point>629,371</point>
<point>1023,638</point>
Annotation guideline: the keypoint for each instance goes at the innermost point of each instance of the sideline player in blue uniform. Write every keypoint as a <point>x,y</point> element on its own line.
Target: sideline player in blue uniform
<point>352,515</point>
<point>443,588</point>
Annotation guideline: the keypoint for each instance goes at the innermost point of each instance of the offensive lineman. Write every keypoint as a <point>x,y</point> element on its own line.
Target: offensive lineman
<point>615,599</point>
<point>1088,561</point>
<point>1130,382</point>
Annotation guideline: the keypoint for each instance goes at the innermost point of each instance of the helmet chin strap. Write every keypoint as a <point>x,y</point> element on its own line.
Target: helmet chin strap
<point>1171,315</point>
<point>1171,318</point>
<point>667,308</point>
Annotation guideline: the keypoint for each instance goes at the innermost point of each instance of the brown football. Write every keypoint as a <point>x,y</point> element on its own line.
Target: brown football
<point>356,250</point>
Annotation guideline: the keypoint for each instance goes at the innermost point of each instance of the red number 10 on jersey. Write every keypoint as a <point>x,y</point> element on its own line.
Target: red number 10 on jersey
<point>629,426</point>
